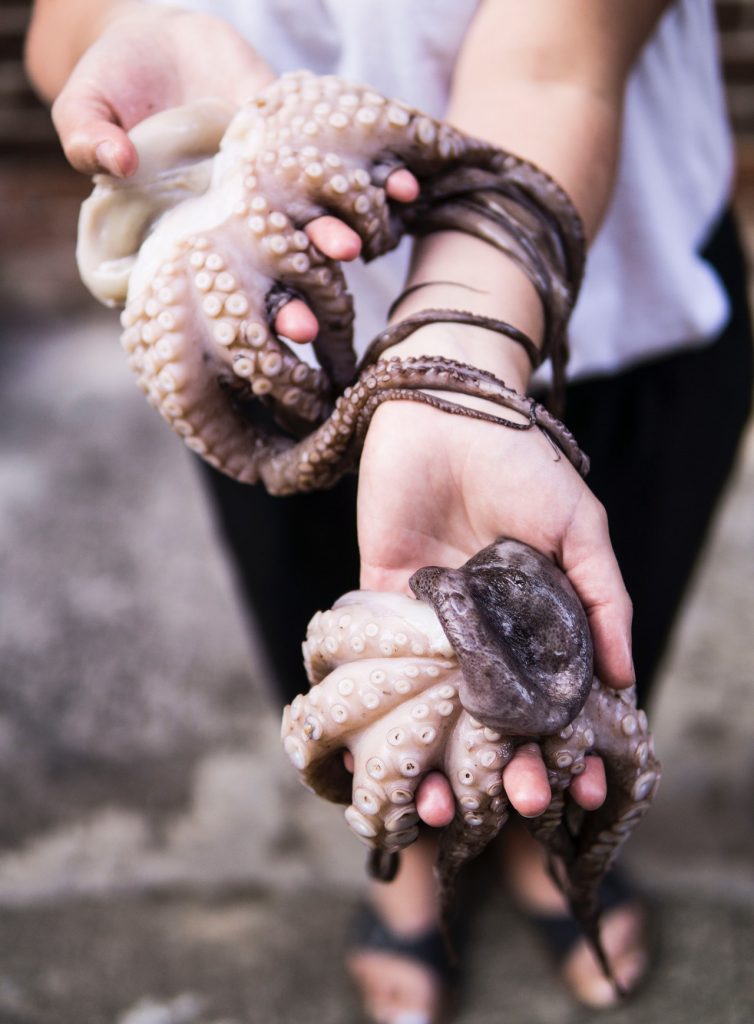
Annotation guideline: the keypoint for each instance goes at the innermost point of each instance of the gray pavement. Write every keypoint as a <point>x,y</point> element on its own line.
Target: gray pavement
<point>158,862</point>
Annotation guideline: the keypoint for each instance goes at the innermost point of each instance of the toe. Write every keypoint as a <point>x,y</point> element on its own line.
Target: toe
<point>624,936</point>
<point>396,990</point>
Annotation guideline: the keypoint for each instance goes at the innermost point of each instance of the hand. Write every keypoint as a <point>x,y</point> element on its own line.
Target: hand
<point>144,60</point>
<point>453,489</point>
<point>149,59</point>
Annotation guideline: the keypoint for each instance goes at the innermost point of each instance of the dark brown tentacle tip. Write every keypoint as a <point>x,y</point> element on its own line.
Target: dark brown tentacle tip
<point>520,634</point>
<point>382,865</point>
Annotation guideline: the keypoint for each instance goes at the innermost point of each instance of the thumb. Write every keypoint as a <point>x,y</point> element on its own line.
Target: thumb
<point>592,568</point>
<point>89,133</point>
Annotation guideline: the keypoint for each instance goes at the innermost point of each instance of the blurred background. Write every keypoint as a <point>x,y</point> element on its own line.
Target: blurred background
<point>158,862</point>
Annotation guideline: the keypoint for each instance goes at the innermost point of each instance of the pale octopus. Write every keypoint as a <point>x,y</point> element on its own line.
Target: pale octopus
<point>204,244</point>
<point>492,655</point>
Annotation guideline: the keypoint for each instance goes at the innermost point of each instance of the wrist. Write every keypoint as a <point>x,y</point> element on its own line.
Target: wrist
<point>461,272</point>
<point>59,35</point>
<point>121,13</point>
<point>94,23</point>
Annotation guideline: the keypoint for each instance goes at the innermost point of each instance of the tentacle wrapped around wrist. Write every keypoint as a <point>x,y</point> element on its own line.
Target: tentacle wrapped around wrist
<point>205,244</point>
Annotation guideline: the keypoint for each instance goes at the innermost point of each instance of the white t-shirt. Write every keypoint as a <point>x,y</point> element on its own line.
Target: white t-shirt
<point>647,291</point>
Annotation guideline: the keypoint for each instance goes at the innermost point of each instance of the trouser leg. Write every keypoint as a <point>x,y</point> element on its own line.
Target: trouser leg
<point>663,439</point>
<point>293,557</point>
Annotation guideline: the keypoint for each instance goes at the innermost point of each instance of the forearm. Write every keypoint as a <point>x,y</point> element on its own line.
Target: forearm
<point>570,132</point>
<point>484,282</point>
<point>565,129</point>
<point>545,82</point>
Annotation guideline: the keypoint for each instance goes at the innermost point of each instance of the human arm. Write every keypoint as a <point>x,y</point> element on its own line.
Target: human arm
<point>108,64</point>
<point>545,82</point>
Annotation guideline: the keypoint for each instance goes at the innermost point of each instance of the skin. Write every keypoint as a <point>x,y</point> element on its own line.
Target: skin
<point>552,77</point>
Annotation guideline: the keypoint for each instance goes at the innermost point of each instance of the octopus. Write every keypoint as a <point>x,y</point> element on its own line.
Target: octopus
<point>205,243</point>
<point>485,658</point>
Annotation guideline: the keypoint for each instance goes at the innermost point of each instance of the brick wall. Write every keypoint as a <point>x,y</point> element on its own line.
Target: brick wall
<point>736,18</point>
<point>24,123</point>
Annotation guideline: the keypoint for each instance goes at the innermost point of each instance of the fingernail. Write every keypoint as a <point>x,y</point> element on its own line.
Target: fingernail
<point>106,158</point>
<point>534,814</point>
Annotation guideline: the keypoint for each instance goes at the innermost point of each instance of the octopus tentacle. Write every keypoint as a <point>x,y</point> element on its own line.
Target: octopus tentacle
<point>366,624</point>
<point>609,725</point>
<point>391,758</point>
<point>318,460</point>
<point>473,764</point>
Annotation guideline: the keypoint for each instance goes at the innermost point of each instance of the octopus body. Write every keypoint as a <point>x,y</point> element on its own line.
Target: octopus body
<point>205,243</point>
<point>491,656</point>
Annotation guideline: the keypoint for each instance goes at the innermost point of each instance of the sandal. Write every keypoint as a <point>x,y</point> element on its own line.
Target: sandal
<point>561,935</point>
<point>430,950</point>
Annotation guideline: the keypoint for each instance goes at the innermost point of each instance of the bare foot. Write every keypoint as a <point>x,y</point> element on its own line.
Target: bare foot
<point>623,929</point>
<point>624,937</point>
<point>396,988</point>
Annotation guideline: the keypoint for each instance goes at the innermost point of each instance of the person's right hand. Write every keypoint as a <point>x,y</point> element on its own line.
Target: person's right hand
<point>147,59</point>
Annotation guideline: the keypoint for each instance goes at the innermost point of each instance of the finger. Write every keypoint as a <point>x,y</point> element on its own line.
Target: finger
<point>402,186</point>
<point>297,322</point>
<point>334,238</point>
<point>590,788</point>
<point>435,802</point>
<point>90,138</point>
<point>592,568</point>
<point>525,781</point>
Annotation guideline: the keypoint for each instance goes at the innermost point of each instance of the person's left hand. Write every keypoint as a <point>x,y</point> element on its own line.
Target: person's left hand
<point>436,488</point>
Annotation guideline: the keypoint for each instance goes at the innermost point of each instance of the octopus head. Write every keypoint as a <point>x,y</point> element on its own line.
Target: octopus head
<point>520,634</point>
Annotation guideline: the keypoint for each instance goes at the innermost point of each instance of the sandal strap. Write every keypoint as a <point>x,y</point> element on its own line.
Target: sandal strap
<point>560,933</point>
<point>369,932</point>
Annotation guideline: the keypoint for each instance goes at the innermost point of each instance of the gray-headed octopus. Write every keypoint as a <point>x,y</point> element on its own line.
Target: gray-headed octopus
<point>491,655</point>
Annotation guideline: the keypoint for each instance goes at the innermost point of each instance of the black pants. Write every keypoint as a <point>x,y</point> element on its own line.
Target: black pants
<point>662,439</point>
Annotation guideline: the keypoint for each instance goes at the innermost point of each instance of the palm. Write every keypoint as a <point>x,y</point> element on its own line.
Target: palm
<point>435,488</point>
<point>453,488</point>
<point>139,80</point>
<point>141,64</point>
